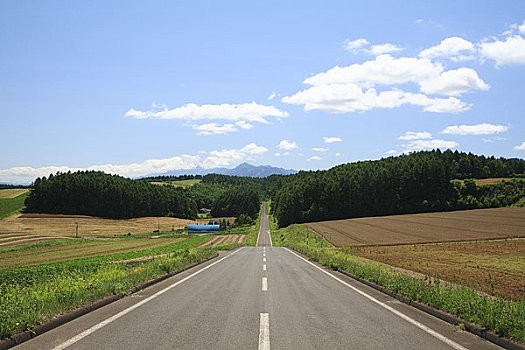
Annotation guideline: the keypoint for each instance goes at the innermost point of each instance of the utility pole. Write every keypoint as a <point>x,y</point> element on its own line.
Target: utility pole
<point>76,230</point>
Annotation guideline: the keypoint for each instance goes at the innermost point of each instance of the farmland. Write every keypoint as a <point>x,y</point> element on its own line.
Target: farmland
<point>483,262</point>
<point>494,267</point>
<point>220,240</point>
<point>65,249</point>
<point>11,201</point>
<point>178,183</point>
<point>12,192</point>
<point>27,228</point>
<point>32,294</point>
<point>424,228</point>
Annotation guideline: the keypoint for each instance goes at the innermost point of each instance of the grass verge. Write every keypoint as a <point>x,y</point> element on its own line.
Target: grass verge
<point>32,295</point>
<point>252,232</point>
<point>505,317</point>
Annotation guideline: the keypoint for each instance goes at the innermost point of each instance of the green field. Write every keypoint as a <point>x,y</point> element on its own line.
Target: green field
<point>9,206</point>
<point>31,294</point>
<point>178,183</point>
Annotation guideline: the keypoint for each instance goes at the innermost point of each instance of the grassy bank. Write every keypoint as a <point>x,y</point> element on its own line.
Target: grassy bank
<point>503,316</point>
<point>30,295</point>
<point>9,206</point>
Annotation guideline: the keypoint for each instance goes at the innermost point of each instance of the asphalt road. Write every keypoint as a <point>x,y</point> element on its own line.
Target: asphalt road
<point>257,298</point>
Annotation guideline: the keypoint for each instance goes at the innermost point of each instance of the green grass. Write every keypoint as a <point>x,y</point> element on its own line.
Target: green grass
<point>252,232</point>
<point>503,316</point>
<point>10,206</point>
<point>30,295</point>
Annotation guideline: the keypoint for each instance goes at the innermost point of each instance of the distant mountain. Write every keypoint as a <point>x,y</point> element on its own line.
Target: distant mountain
<point>243,169</point>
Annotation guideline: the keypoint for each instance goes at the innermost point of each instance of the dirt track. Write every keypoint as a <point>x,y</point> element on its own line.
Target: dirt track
<point>424,228</point>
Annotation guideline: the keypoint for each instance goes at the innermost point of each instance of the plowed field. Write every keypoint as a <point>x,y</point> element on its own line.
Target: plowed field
<point>494,267</point>
<point>223,239</point>
<point>467,225</point>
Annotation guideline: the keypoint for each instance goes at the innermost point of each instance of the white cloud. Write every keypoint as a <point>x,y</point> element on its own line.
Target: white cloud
<point>418,145</point>
<point>352,88</point>
<point>338,154</point>
<point>320,149</point>
<point>492,139</point>
<point>214,129</point>
<point>229,157</point>
<point>509,51</point>
<point>454,48</point>
<point>315,158</point>
<point>383,70</point>
<point>244,125</point>
<point>354,45</point>
<point>272,95</point>
<point>226,157</point>
<point>391,152</point>
<point>411,135</point>
<point>477,129</point>
<point>287,145</point>
<point>242,114</point>
<point>454,83</point>
<point>382,49</point>
<point>332,139</point>
<point>343,98</point>
<point>218,129</point>
<point>520,147</point>
<point>521,27</point>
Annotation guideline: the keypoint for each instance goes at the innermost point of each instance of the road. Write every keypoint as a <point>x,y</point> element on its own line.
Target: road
<point>257,298</point>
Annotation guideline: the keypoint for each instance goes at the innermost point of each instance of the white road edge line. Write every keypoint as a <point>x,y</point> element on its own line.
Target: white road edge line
<point>264,331</point>
<point>264,267</point>
<point>421,326</point>
<point>107,321</point>
<point>270,236</point>
<point>264,284</point>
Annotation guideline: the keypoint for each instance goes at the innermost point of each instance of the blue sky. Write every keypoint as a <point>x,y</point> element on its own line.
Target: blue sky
<point>146,87</point>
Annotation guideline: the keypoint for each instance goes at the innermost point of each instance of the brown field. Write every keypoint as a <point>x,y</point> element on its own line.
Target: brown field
<point>466,225</point>
<point>494,267</point>
<point>27,228</point>
<point>79,249</point>
<point>12,192</point>
<point>222,239</point>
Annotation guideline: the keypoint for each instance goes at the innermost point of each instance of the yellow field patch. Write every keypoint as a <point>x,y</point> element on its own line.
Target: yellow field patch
<point>12,192</point>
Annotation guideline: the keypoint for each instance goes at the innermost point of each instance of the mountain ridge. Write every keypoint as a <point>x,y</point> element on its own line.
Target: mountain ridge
<point>243,169</point>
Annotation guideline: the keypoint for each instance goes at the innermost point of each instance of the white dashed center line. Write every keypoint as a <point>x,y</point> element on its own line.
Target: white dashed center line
<point>264,284</point>
<point>264,332</point>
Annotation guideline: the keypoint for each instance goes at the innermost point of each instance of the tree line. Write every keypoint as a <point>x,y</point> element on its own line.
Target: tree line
<point>98,194</point>
<point>412,183</point>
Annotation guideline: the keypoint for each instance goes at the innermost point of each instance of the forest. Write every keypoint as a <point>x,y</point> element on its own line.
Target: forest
<point>411,183</point>
<point>98,194</point>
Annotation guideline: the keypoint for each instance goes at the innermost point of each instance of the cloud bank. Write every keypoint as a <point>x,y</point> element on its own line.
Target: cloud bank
<point>212,159</point>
